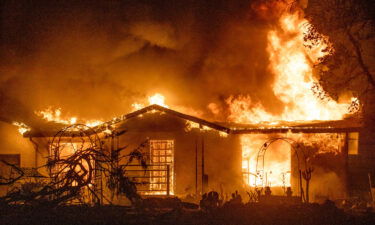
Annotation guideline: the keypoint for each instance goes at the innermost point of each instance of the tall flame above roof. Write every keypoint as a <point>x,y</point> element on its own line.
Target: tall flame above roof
<point>292,63</point>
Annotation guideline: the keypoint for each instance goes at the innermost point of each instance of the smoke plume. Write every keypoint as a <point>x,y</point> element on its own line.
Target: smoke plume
<point>95,58</point>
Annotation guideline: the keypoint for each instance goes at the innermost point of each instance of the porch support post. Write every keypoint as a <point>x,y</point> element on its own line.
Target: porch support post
<point>168,180</point>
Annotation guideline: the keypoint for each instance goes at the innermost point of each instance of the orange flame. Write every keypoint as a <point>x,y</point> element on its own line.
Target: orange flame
<point>22,128</point>
<point>55,116</point>
<point>292,63</point>
<point>157,99</point>
<point>277,160</point>
<point>276,169</point>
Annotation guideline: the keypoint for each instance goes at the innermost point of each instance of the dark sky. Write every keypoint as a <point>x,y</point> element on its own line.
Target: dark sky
<point>95,58</point>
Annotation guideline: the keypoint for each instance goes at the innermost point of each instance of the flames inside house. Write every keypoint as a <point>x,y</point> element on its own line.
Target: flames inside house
<point>190,156</point>
<point>309,150</point>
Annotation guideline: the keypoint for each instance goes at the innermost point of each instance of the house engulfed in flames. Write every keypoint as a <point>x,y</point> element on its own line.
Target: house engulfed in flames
<point>189,155</point>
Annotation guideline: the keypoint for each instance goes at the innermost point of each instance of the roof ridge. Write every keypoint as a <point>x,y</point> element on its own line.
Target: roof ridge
<point>149,108</point>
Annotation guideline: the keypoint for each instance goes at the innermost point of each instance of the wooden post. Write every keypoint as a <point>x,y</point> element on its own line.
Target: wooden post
<point>196,168</point>
<point>370,183</point>
<point>168,180</point>
<point>248,172</point>
<point>300,186</point>
<point>203,175</point>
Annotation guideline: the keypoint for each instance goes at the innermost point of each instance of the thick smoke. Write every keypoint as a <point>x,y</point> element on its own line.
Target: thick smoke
<point>94,59</point>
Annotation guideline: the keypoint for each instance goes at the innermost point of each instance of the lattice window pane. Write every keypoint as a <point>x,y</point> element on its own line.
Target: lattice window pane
<point>161,152</point>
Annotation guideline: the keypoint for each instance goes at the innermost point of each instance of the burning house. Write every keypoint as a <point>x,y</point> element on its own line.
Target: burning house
<point>187,155</point>
<point>289,137</point>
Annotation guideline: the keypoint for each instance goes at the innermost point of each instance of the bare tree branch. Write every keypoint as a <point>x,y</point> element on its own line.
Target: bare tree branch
<point>359,58</point>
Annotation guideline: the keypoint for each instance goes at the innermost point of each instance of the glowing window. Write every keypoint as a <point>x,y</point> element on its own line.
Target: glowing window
<point>353,143</point>
<point>162,164</point>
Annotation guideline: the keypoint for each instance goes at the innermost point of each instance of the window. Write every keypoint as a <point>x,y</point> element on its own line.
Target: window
<point>353,143</point>
<point>5,170</point>
<point>162,167</point>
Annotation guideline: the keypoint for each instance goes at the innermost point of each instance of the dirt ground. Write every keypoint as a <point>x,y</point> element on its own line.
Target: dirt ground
<point>230,215</point>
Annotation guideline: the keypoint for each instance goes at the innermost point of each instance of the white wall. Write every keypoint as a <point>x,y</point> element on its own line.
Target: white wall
<point>12,142</point>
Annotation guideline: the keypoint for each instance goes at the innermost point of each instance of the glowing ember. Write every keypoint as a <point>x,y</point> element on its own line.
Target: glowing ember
<point>189,125</point>
<point>137,106</point>
<point>22,128</point>
<point>223,134</point>
<point>93,123</point>
<point>73,120</point>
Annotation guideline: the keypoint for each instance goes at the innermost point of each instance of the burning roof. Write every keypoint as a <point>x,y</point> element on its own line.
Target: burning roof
<point>349,124</point>
<point>317,126</point>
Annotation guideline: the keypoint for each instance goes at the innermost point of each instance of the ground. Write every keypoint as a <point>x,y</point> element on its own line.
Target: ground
<point>230,215</point>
